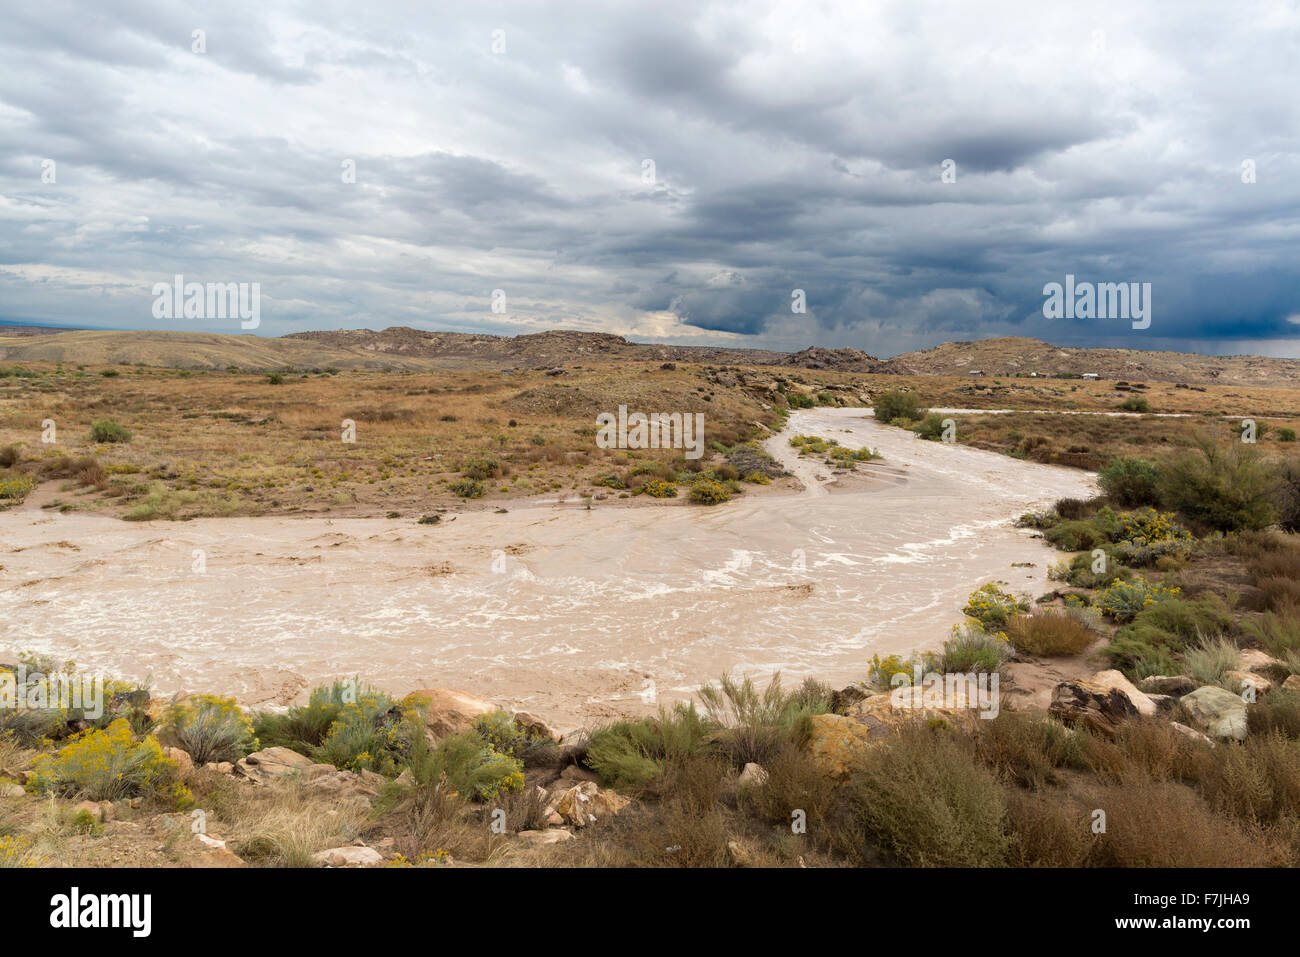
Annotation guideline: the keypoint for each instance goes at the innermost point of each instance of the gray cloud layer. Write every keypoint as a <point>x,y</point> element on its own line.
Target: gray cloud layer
<point>794,147</point>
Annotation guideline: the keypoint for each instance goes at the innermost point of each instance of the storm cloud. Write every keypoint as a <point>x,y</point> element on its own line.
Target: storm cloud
<point>671,172</point>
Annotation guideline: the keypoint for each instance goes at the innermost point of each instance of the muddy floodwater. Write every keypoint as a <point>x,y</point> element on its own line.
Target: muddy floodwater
<point>574,614</point>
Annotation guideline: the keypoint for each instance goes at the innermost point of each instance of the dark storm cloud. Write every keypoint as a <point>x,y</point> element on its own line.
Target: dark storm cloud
<point>663,171</point>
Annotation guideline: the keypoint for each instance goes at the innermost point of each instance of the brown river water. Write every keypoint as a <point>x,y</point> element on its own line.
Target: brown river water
<point>572,614</point>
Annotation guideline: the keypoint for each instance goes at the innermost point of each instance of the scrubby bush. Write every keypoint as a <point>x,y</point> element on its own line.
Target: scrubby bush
<point>304,727</point>
<point>16,486</point>
<point>752,724</point>
<point>209,728</point>
<point>992,607</point>
<point>896,405</point>
<point>468,488</point>
<point>107,765</point>
<point>1049,632</point>
<point>1210,658</point>
<point>1135,403</point>
<point>106,430</point>
<point>706,492</point>
<point>631,754</point>
<point>465,764</point>
<point>1226,488</point>
<point>483,467</point>
<point>1123,600</point>
<point>924,797</point>
<point>503,733</point>
<point>930,428</point>
<point>372,733</point>
<point>658,488</point>
<point>972,649</point>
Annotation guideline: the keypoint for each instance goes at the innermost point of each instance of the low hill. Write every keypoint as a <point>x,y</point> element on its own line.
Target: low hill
<point>1008,356</point>
<point>402,348</point>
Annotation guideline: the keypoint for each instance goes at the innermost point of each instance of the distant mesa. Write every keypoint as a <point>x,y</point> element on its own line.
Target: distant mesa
<point>402,348</point>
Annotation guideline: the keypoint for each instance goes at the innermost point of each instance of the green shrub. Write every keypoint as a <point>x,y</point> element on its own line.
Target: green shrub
<point>897,405</point>
<point>275,378</point>
<point>304,727</point>
<point>484,467</point>
<point>706,492</point>
<point>631,754</point>
<point>106,430</point>
<point>798,400</point>
<point>465,765</point>
<point>1227,488</point>
<point>931,427</point>
<point>468,488</point>
<point>973,649</point>
<point>1210,659</point>
<point>500,730</point>
<point>372,733</point>
<point>1140,651</point>
<point>1129,482</point>
<point>1135,403</point>
<point>1076,536</point>
<point>209,728</point>
<point>107,765</point>
<point>1123,600</point>
<point>1285,435</point>
<point>753,724</point>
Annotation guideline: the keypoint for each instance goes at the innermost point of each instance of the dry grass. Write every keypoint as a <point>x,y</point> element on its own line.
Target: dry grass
<point>223,443</point>
<point>1050,632</point>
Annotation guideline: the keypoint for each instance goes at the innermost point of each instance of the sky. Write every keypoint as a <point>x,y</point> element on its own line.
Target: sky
<point>919,170</point>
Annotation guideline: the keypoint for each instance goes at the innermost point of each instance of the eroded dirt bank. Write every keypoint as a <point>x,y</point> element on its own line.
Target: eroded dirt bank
<point>573,614</point>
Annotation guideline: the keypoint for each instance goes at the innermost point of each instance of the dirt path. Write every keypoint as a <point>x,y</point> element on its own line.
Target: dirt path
<point>574,614</point>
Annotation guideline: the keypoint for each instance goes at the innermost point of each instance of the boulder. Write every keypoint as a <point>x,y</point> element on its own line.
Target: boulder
<point>1252,659</point>
<point>1115,679</point>
<point>837,743</point>
<point>451,712</point>
<point>272,764</point>
<point>1292,684</point>
<point>534,726</point>
<point>586,803</point>
<point>340,784</point>
<point>348,857</point>
<point>846,698</point>
<point>182,758</point>
<point>221,767</point>
<point>1176,685</point>
<point>1192,733</point>
<point>752,775</point>
<point>1093,706</point>
<point>1165,703</point>
<point>1219,713</point>
<point>1240,679</point>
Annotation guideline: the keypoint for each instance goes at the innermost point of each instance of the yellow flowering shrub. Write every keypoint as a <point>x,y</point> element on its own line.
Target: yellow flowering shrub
<point>16,851</point>
<point>660,489</point>
<point>107,765</point>
<point>991,606</point>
